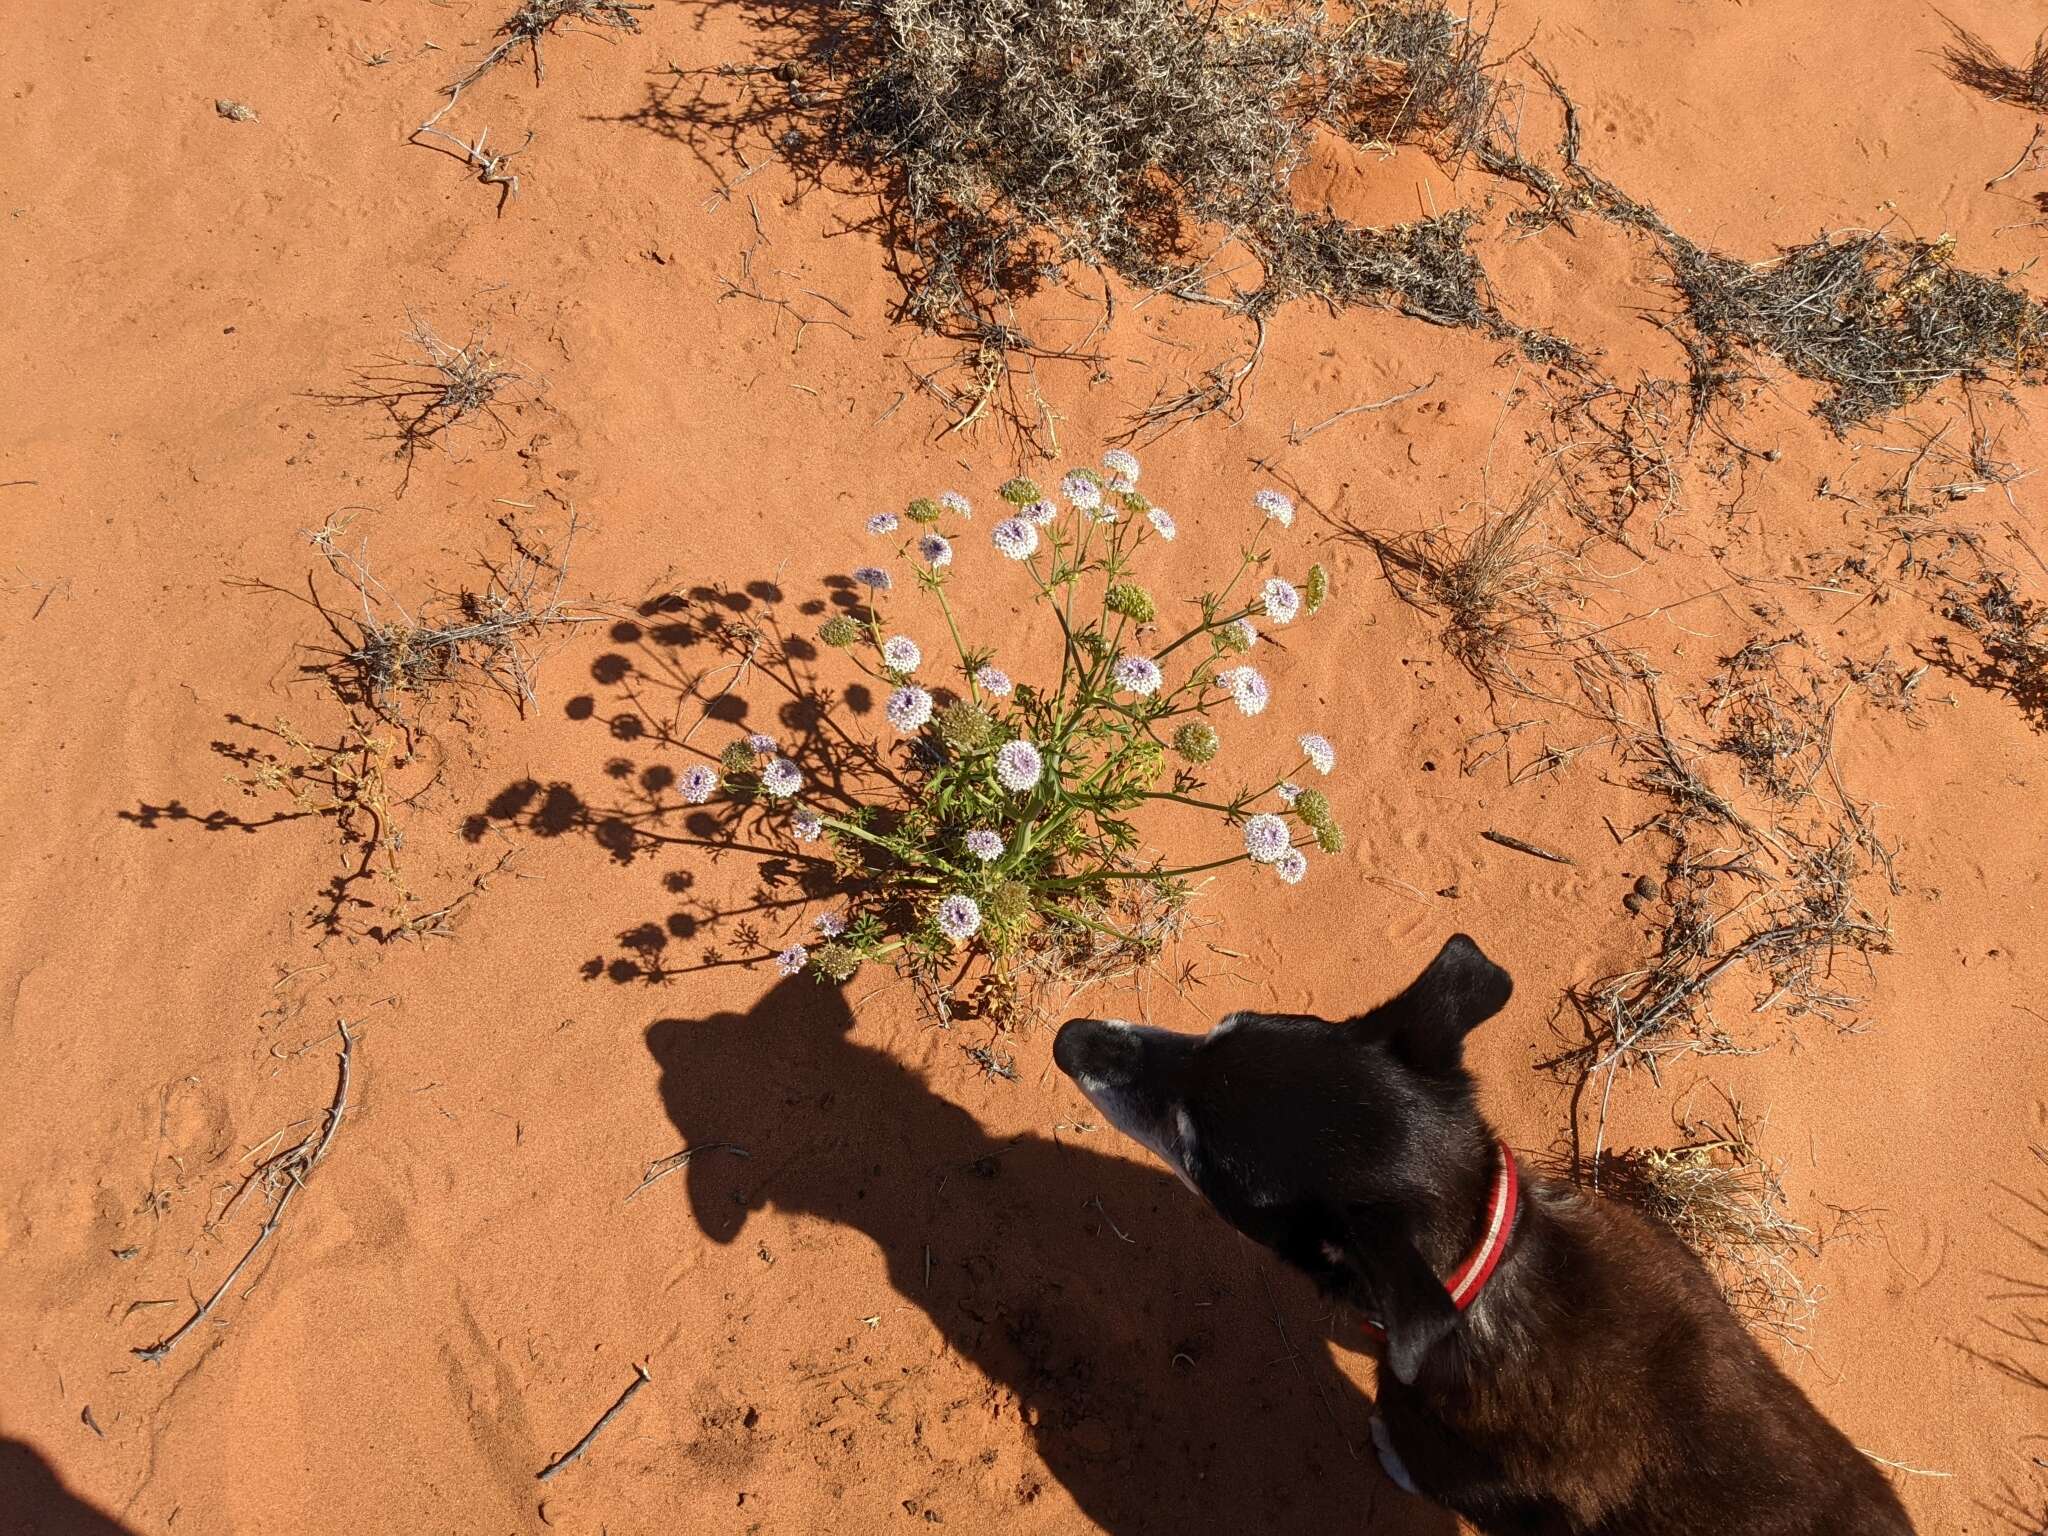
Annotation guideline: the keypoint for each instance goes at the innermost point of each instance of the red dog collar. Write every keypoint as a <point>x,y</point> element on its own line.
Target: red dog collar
<point>1503,1202</point>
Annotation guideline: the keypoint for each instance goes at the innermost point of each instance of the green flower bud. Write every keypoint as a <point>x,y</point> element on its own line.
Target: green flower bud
<point>1010,904</point>
<point>835,962</point>
<point>1313,807</point>
<point>1197,741</point>
<point>923,510</point>
<point>1021,492</point>
<point>1132,601</point>
<point>1235,637</point>
<point>839,631</point>
<point>1317,587</point>
<point>739,758</point>
<point>967,727</point>
<point>1330,837</point>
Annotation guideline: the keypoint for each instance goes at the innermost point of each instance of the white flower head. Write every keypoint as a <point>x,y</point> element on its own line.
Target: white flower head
<point>782,778</point>
<point>1288,792</point>
<point>1246,687</point>
<point>1015,538</point>
<point>908,708</point>
<point>955,503</point>
<point>1277,505</point>
<point>830,925</point>
<point>1280,601</point>
<point>792,959</point>
<point>698,784</point>
<point>995,681</point>
<point>1291,866</point>
<point>1319,752</point>
<point>873,577</point>
<point>1082,491</point>
<point>1137,674</point>
<point>959,917</point>
<point>1039,512</point>
<point>900,654</point>
<point>1163,524</point>
<point>935,550</point>
<point>884,522</point>
<point>806,826</point>
<point>1018,765</point>
<point>761,744</point>
<point>1266,838</point>
<point>1121,464</point>
<point>985,845</point>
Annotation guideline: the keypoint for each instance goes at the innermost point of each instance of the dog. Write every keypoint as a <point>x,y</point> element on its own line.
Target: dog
<point>1553,1364</point>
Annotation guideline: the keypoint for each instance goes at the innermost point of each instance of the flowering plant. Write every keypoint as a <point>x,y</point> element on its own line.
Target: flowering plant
<point>1008,834</point>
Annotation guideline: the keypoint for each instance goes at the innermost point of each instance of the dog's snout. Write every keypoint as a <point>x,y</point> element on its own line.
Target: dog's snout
<point>1089,1048</point>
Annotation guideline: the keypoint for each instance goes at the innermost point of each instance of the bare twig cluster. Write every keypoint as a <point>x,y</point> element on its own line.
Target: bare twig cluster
<point>1973,62</point>
<point>438,388</point>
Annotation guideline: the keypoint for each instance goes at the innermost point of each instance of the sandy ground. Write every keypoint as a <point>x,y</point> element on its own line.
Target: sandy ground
<point>924,1295</point>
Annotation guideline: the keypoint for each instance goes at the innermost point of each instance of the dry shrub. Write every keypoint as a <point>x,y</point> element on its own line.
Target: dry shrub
<point>1972,62</point>
<point>438,388</point>
<point>2012,638</point>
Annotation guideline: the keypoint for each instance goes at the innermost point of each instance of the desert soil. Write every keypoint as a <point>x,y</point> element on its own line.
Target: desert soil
<point>892,1289</point>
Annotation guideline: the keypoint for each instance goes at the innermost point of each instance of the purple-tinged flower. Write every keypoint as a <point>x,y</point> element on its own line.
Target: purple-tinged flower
<point>1277,505</point>
<point>1082,491</point>
<point>1137,674</point>
<point>908,708</point>
<point>782,778</point>
<point>1266,838</point>
<point>984,845</point>
<point>1247,634</point>
<point>1291,866</point>
<point>1319,752</point>
<point>955,503</point>
<point>873,577</point>
<point>698,784</point>
<point>1039,513</point>
<point>1288,793</point>
<point>792,959</point>
<point>935,550</point>
<point>900,654</point>
<point>1122,464</point>
<point>1018,765</point>
<point>1162,523</point>
<point>806,826</point>
<point>959,917</point>
<point>830,925</point>
<point>1246,687</point>
<point>884,522</point>
<point>1015,538</point>
<point>1280,601</point>
<point>761,744</point>
<point>994,680</point>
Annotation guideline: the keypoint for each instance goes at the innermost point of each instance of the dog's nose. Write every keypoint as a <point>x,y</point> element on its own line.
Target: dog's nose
<point>1070,1045</point>
<point>1097,1049</point>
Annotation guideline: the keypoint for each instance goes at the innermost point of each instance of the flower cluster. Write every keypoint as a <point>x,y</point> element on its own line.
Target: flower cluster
<point>999,812</point>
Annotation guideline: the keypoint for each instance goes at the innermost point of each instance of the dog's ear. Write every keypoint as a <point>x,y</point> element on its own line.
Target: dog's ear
<point>1427,1024</point>
<point>1413,1308</point>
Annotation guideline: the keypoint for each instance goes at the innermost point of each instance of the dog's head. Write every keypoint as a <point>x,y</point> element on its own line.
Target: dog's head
<point>1339,1146</point>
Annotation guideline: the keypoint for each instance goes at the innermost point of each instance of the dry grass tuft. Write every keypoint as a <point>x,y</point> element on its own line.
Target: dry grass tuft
<point>1724,1199</point>
<point>2012,637</point>
<point>1973,62</point>
<point>429,394</point>
<point>1496,586</point>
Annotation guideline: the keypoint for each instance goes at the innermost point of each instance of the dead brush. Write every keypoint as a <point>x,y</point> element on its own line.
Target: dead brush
<point>527,26</point>
<point>439,388</point>
<point>1008,141</point>
<point>1720,1195</point>
<point>1495,586</point>
<point>1877,321</point>
<point>2011,632</point>
<point>393,657</point>
<point>1972,62</point>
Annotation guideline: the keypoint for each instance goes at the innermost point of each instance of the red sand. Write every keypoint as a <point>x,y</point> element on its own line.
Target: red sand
<point>926,1296</point>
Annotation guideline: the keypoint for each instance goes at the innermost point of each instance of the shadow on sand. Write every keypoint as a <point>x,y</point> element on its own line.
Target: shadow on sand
<point>35,1502</point>
<point>1137,1335</point>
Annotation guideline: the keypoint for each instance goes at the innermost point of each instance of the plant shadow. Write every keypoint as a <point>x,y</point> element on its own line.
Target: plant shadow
<point>36,1501</point>
<point>1142,1342</point>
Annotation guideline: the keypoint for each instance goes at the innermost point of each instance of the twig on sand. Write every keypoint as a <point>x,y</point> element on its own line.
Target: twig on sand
<point>662,1167</point>
<point>1531,849</point>
<point>1298,435</point>
<point>291,1166</point>
<point>576,1451</point>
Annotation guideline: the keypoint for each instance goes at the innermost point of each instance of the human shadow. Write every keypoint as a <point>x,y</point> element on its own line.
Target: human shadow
<point>1138,1337</point>
<point>35,1502</point>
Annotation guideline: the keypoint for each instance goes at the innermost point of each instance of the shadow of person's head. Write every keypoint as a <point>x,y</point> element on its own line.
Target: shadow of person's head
<point>1136,1332</point>
<point>35,1502</point>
